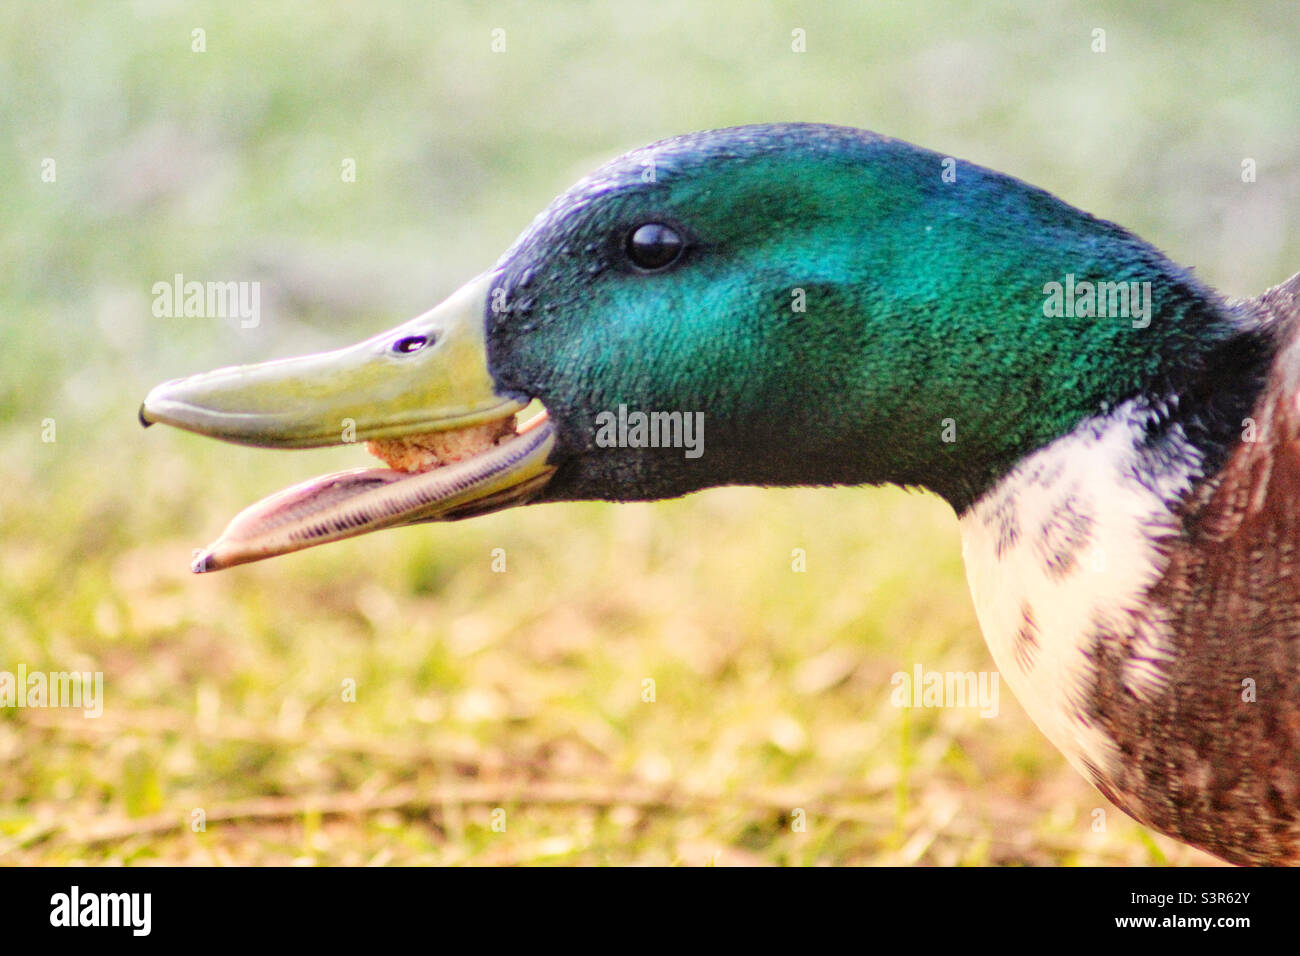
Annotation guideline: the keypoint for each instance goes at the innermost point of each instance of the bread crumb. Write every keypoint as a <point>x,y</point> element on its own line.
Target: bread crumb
<point>414,453</point>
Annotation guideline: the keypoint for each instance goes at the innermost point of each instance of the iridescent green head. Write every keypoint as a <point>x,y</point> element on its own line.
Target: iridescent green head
<point>845,308</point>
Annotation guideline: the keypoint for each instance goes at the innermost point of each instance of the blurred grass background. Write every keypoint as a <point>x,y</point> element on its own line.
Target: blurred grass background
<point>523,691</point>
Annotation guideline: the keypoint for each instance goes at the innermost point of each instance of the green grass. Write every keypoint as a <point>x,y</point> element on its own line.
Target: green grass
<point>523,692</point>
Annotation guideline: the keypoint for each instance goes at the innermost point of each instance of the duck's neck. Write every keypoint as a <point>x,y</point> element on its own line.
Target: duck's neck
<point>1191,377</point>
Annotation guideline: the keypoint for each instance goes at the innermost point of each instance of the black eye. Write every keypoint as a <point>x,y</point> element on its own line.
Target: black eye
<point>654,245</point>
<point>410,343</point>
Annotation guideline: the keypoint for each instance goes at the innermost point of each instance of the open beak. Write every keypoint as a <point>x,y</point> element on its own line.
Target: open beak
<point>421,397</point>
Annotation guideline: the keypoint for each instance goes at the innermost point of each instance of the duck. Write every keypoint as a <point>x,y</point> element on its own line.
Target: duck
<point>802,304</point>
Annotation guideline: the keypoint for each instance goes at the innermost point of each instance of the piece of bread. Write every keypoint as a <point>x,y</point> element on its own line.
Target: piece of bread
<point>430,450</point>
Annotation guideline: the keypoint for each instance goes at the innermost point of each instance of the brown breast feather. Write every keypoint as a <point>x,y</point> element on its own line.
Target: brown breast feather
<point>1203,761</point>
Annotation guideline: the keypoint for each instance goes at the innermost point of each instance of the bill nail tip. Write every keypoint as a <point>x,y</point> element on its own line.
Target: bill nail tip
<point>202,560</point>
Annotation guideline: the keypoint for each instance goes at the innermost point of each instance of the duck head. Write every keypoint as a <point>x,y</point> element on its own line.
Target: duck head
<point>791,304</point>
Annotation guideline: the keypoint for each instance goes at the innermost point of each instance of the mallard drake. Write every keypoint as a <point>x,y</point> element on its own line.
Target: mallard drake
<point>1119,443</point>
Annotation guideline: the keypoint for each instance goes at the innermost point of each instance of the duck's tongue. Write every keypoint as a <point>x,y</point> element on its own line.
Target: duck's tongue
<point>348,503</point>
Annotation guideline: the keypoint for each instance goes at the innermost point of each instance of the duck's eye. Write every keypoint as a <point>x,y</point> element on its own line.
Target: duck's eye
<point>411,343</point>
<point>654,245</point>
